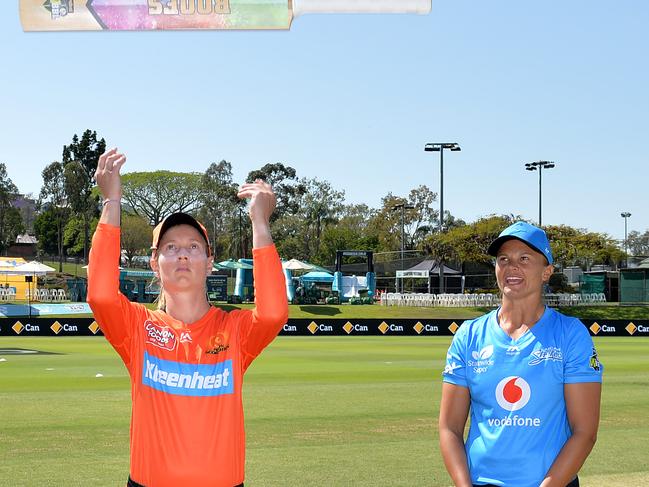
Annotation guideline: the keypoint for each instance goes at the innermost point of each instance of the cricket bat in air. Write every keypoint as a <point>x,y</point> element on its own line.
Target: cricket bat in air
<point>67,15</point>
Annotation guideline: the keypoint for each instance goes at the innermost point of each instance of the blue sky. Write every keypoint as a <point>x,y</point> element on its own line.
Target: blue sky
<point>353,99</point>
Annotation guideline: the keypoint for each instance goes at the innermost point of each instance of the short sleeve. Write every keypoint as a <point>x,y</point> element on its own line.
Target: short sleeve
<point>455,368</point>
<point>582,363</point>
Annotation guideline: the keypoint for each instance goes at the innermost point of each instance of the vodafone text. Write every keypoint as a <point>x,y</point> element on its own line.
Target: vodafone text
<point>513,421</point>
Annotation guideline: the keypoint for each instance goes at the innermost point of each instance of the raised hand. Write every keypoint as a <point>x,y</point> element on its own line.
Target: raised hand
<point>262,200</point>
<point>262,204</point>
<point>107,174</point>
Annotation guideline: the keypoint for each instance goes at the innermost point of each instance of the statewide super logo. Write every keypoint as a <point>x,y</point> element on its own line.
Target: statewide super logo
<point>513,393</point>
<point>481,359</point>
<point>483,354</point>
<point>160,336</point>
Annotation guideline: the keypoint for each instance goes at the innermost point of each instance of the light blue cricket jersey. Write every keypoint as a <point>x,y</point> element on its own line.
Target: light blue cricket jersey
<point>518,414</point>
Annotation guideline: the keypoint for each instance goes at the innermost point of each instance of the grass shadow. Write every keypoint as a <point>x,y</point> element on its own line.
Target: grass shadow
<point>321,310</point>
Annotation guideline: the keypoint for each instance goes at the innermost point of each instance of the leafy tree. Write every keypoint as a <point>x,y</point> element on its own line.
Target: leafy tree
<point>352,232</point>
<point>638,243</point>
<point>12,222</point>
<point>467,243</point>
<point>80,160</point>
<point>53,197</point>
<point>154,195</point>
<point>290,236</point>
<point>285,183</point>
<point>10,219</point>
<point>318,208</point>
<point>135,236</point>
<point>219,206</point>
<point>321,204</point>
<point>418,222</point>
<point>46,229</point>
<point>73,234</point>
<point>573,246</point>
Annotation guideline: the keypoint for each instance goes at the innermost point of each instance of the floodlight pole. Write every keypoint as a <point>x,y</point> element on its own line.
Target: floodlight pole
<point>403,207</point>
<point>539,165</point>
<point>439,147</point>
<point>626,215</point>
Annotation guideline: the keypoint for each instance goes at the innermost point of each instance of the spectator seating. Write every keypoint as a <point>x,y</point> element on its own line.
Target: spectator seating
<point>483,300</point>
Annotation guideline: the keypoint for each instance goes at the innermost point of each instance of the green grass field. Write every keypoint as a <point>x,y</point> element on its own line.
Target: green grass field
<point>320,411</point>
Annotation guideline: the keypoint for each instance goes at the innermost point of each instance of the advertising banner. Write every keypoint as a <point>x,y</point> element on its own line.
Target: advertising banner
<point>319,327</point>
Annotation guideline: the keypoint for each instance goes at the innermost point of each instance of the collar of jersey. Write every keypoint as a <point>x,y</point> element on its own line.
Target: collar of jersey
<point>505,339</point>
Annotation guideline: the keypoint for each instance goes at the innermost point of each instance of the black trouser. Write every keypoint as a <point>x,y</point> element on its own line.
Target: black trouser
<point>574,483</point>
<point>133,483</point>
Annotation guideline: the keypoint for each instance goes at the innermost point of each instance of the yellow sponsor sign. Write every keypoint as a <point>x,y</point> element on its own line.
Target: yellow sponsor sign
<point>18,327</point>
<point>56,327</point>
<point>348,327</point>
<point>383,327</point>
<point>94,327</point>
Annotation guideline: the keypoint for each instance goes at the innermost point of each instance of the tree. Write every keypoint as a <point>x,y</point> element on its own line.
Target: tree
<point>467,243</point>
<point>53,197</point>
<point>155,195</point>
<point>353,231</point>
<point>73,234</point>
<point>80,160</point>
<point>418,222</point>
<point>638,243</point>
<point>219,205</point>
<point>46,229</point>
<point>574,246</point>
<point>320,206</point>
<point>135,236</point>
<point>285,183</point>
<point>10,220</point>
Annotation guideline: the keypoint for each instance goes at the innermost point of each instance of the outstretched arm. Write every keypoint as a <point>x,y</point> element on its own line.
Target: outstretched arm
<point>271,304</point>
<point>109,306</point>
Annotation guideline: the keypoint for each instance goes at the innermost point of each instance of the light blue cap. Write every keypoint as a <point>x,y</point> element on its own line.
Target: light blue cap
<point>533,236</point>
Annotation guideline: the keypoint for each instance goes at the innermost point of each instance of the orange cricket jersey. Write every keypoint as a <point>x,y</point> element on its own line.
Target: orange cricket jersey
<point>187,424</point>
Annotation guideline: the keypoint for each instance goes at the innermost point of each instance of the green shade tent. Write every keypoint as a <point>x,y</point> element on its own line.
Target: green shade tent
<point>231,265</point>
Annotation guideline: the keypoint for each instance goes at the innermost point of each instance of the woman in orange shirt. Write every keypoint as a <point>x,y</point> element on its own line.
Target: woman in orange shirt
<point>186,360</point>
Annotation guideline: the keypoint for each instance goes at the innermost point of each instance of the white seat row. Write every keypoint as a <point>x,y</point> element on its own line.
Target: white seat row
<point>7,294</point>
<point>482,299</point>
<point>573,299</point>
<point>46,295</point>
<point>444,300</point>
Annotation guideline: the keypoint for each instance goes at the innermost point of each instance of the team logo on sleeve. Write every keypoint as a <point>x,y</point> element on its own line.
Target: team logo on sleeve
<point>450,368</point>
<point>594,362</point>
<point>160,336</point>
<point>513,393</point>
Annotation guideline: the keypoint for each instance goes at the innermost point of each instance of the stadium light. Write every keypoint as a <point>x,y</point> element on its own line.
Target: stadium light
<point>625,215</point>
<point>440,147</point>
<point>539,165</point>
<point>403,207</point>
